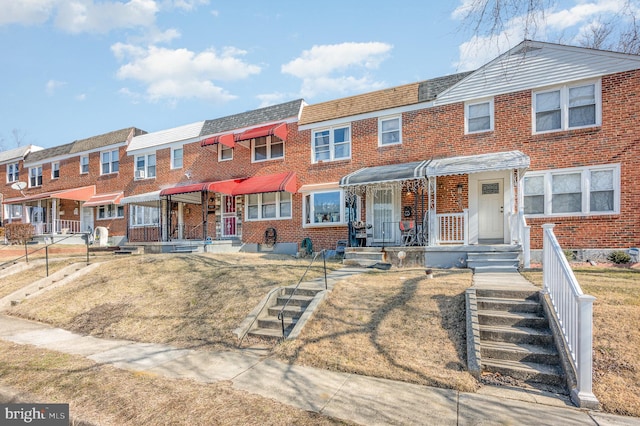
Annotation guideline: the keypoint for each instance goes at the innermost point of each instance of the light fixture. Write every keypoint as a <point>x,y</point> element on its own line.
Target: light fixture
<point>459,189</point>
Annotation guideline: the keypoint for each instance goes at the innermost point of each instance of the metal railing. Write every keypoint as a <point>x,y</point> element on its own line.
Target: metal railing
<point>145,233</point>
<point>326,286</point>
<point>573,308</point>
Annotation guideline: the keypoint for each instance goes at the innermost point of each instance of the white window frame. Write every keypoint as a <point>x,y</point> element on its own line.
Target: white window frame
<point>84,163</point>
<point>137,211</point>
<point>146,167</point>
<point>13,172</point>
<point>585,186</point>
<point>564,106</point>
<point>269,142</point>
<point>109,211</point>
<point>173,158</point>
<point>310,218</point>
<point>112,163</point>
<point>38,174</point>
<point>55,167</point>
<point>467,116</point>
<point>332,144</point>
<point>223,148</point>
<point>13,211</point>
<point>381,132</point>
<point>279,200</point>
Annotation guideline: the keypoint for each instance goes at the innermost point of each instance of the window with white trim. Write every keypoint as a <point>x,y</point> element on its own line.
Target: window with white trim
<point>266,148</point>
<point>143,215</point>
<point>478,117</point>
<point>55,170</point>
<point>389,131</point>
<point>331,144</point>
<point>110,162</point>
<point>84,164</point>
<point>145,166</point>
<point>13,173</point>
<point>35,176</point>
<point>268,205</point>
<point>575,191</point>
<point>176,158</point>
<point>224,153</point>
<point>567,107</point>
<point>110,211</point>
<point>327,208</point>
<point>13,211</point>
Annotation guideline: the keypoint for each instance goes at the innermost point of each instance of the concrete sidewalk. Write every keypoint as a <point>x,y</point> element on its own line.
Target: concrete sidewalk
<point>359,399</point>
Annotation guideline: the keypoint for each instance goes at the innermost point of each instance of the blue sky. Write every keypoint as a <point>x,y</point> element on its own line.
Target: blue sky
<point>72,69</point>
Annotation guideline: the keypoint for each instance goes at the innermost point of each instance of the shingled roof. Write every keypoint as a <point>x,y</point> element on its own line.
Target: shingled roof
<point>393,97</point>
<point>252,118</point>
<point>56,151</point>
<point>17,153</point>
<point>106,139</point>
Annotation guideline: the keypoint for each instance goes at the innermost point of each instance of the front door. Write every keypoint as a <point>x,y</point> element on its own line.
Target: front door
<point>382,212</point>
<point>228,219</point>
<point>86,220</point>
<point>491,210</point>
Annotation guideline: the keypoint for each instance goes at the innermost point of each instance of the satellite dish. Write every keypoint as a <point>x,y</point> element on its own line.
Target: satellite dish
<point>19,186</point>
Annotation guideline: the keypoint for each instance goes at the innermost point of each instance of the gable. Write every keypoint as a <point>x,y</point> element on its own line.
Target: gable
<point>532,65</point>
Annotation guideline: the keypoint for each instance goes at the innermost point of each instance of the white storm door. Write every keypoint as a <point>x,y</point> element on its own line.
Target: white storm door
<point>86,220</point>
<point>491,209</point>
<point>382,212</point>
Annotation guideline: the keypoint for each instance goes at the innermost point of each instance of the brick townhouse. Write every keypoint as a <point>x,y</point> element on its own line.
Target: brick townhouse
<point>543,133</point>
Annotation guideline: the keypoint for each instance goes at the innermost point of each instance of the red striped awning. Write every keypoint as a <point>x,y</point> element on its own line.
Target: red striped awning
<point>278,129</point>
<point>77,194</point>
<point>103,199</point>
<point>269,183</point>
<point>222,186</point>
<point>227,139</point>
<point>183,189</point>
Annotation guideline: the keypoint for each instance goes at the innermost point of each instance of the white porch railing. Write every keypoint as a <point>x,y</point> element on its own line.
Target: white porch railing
<point>59,226</point>
<point>521,234</point>
<point>575,314</point>
<point>453,228</point>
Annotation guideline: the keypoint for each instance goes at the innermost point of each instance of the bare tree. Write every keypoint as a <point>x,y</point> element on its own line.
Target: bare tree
<point>19,138</point>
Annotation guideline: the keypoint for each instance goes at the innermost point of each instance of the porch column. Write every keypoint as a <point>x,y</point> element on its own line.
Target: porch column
<point>180,221</point>
<point>433,224</point>
<point>54,209</point>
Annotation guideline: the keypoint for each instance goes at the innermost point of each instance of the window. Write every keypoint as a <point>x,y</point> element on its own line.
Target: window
<point>14,211</point>
<point>267,148</point>
<point>55,170</point>
<point>110,162</point>
<point>84,164</point>
<point>328,208</point>
<point>110,211</point>
<point>144,215</point>
<point>567,107</point>
<point>12,172</point>
<point>224,153</point>
<point>145,166</point>
<point>478,117</point>
<point>578,191</point>
<point>389,131</point>
<point>332,144</point>
<point>176,158</point>
<point>269,205</point>
<point>35,176</point>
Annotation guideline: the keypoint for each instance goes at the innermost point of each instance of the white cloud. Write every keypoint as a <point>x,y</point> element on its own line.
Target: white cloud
<point>52,86</point>
<point>181,73</point>
<point>26,12</point>
<point>268,99</point>
<point>78,16</point>
<point>326,68</point>
<point>81,97</point>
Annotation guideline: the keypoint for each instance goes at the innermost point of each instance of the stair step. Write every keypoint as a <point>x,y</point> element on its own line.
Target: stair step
<point>295,300</point>
<point>526,335</point>
<point>493,255</point>
<point>520,352</point>
<point>526,371</point>
<point>275,323</point>
<point>291,311</point>
<point>493,268</point>
<point>508,292</point>
<point>508,305</point>
<point>520,319</point>
<point>266,333</point>
<point>301,291</point>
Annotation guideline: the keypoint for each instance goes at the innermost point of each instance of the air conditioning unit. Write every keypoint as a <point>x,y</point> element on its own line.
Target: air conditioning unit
<point>139,174</point>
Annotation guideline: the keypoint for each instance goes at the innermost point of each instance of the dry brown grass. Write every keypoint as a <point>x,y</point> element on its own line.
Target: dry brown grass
<point>104,395</point>
<point>616,335</point>
<point>192,301</point>
<point>396,325</point>
<point>13,282</point>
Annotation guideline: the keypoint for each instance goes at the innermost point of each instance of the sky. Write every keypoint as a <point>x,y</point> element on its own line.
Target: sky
<point>72,69</point>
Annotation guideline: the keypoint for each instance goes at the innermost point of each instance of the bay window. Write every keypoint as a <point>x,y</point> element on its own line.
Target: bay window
<point>327,208</point>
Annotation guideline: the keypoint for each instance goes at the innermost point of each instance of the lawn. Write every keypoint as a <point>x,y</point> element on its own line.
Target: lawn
<point>616,335</point>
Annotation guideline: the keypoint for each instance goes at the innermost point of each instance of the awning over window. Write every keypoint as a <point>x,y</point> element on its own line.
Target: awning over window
<point>227,139</point>
<point>183,189</point>
<point>278,129</point>
<point>270,183</point>
<point>83,193</point>
<point>224,186</point>
<point>147,197</point>
<point>103,199</point>
<point>389,173</point>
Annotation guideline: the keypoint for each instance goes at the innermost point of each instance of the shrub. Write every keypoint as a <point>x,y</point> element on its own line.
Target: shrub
<point>19,233</point>
<point>569,254</point>
<point>619,257</point>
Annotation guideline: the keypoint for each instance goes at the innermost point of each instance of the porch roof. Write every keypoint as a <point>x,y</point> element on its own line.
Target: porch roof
<point>388,173</point>
<point>83,193</point>
<point>102,199</point>
<point>145,198</point>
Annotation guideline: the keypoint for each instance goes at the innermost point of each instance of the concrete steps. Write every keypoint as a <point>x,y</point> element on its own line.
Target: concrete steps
<point>493,261</point>
<point>363,256</point>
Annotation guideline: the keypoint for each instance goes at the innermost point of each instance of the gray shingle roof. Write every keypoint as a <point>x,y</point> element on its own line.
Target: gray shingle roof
<point>56,151</point>
<point>430,89</point>
<point>111,138</point>
<point>252,118</point>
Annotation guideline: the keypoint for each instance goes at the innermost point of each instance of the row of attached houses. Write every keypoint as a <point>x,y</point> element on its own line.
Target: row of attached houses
<point>544,133</point>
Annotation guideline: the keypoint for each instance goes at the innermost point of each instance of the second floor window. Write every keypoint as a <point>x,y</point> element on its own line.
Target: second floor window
<point>35,176</point>
<point>567,107</point>
<point>176,158</point>
<point>332,144</point>
<point>110,162</point>
<point>55,170</point>
<point>145,166</point>
<point>224,153</point>
<point>84,164</point>
<point>478,117</point>
<point>267,148</point>
<point>12,172</point>
<point>389,131</point>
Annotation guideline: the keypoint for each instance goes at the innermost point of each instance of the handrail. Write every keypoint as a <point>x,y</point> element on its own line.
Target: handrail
<point>574,310</point>
<point>281,313</point>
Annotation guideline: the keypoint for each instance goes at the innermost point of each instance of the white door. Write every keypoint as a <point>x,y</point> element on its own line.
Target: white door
<point>228,219</point>
<point>86,220</point>
<point>382,215</point>
<point>491,210</point>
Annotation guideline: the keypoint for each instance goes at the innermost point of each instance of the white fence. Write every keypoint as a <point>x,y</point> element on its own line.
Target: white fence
<point>453,228</point>
<point>575,314</point>
<point>59,226</point>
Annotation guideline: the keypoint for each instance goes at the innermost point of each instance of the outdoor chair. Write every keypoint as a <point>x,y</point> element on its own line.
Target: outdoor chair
<point>408,232</point>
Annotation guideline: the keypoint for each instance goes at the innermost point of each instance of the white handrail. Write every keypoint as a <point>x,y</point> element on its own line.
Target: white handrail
<point>574,310</point>
<point>452,227</point>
